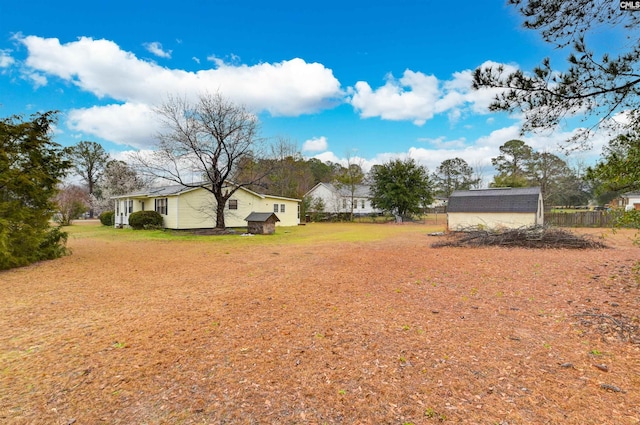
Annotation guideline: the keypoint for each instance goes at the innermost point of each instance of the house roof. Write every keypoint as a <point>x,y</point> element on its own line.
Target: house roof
<point>517,200</point>
<point>154,192</point>
<point>634,194</point>
<point>177,189</point>
<point>261,217</point>
<point>360,190</point>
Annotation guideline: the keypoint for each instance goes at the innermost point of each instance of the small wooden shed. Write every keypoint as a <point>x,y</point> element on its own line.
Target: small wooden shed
<point>495,208</point>
<point>262,223</point>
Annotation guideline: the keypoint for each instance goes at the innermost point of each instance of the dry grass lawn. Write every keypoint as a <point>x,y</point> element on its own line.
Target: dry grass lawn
<point>328,324</point>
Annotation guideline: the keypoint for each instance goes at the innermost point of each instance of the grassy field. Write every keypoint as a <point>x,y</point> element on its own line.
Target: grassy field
<point>332,323</point>
<point>310,233</point>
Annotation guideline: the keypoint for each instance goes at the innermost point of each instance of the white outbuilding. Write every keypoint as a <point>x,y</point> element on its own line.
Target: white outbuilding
<point>495,208</point>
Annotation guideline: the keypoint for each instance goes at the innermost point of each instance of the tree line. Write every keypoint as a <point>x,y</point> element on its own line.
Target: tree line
<point>34,189</point>
<point>33,169</point>
<point>285,172</point>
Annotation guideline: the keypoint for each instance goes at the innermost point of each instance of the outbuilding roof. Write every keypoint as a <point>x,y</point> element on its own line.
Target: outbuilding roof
<point>516,200</point>
<point>262,217</point>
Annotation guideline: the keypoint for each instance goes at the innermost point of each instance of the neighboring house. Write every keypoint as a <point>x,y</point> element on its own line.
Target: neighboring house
<point>439,204</point>
<point>629,201</point>
<point>194,208</point>
<point>337,199</point>
<point>495,208</point>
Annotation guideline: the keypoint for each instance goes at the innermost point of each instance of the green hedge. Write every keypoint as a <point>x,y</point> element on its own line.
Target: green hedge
<point>107,218</point>
<point>145,220</point>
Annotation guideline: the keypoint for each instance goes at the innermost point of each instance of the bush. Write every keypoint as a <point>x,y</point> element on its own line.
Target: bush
<point>629,219</point>
<point>107,218</point>
<point>54,245</point>
<point>145,220</point>
<point>33,167</point>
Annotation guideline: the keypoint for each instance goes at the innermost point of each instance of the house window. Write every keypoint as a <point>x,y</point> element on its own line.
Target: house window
<point>275,207</point>
<point>161,205</point>
<point>281,208</point>
<point>233,204</point>
<point>141,205</point>
<point>130,207</point>
<point>355,204</point>
<point>362,204</point>
<point>344,203</point>
<point>118,207</point>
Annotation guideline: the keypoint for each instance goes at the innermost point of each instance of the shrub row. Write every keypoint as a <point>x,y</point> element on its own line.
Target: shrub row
<point>145,220</point>
<point>107,218</point>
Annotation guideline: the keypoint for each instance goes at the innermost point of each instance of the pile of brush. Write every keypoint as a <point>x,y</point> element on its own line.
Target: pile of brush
<point>525,237</point>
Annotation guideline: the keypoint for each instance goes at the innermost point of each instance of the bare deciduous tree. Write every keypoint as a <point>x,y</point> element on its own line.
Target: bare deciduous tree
<point>119,178</point>
<point>72,201</point>
<point>479,172</point>
<point>289,175</point>
<point>201,145</point>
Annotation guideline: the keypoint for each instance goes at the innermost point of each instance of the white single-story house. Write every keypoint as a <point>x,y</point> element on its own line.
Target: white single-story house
<point>629,201</point>
<point>184,207</point>
<point>338,199</point>
<point>495,208</point>
<point>439,204</point>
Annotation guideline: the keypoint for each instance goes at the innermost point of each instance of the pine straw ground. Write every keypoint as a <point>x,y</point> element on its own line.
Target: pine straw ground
<point>321,330</point>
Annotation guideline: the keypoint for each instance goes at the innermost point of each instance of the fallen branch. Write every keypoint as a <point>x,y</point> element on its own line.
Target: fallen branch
<point>525,237</point>
<point>613,388</point>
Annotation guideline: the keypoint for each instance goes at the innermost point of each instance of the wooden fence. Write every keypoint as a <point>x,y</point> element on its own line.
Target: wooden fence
<point>580,219</point>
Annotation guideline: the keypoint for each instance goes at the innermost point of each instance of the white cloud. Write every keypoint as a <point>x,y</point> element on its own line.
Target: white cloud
<point>317,144</point>
<point>129,124</point>
<point>479,100</point>
<point>418,97</point>
<point>97,66</point>
<point>393,102</point>
<point>432,158</point>
<point>477,153</point>
<point>6,60</point>
<point>454,115</point>
<point>126,156</point>
<point>498,137</point>
<point>442,142</point>
<point>623,118</point>
<point>364,163</point>
<point>288,88</point>
<point>37,79</point>
<point>327,157</point>
<point>156,48</point>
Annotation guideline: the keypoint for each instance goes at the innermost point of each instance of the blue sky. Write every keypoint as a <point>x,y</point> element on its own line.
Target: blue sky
<point>370,80</point>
